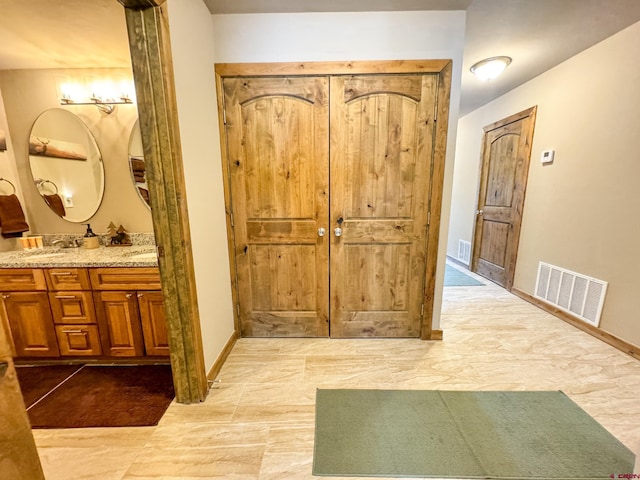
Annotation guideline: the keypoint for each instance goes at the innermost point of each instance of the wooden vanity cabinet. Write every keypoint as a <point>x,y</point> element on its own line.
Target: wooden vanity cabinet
<point>130,311</point>
<point>81,312</point>
<point>73,311</point>
<point>25,307</point>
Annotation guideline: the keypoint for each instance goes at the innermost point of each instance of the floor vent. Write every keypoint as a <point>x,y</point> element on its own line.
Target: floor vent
<point>572,292</point>
<point>464,251</point>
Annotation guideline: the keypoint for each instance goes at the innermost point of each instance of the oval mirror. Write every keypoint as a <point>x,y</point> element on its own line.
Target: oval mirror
<point>66,165</point>
<point>136,164</point>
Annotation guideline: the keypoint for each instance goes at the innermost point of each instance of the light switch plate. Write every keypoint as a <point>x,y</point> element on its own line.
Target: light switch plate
<point>547,156</point>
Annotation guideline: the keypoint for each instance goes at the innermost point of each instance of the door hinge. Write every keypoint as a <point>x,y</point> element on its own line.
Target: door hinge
<point>160,251</point>
<point>428,219</point>
<point>238,308</point>
<point>224,116</point>
<point>435,113</point>
<point>231,219</point>
<point>422,310</point>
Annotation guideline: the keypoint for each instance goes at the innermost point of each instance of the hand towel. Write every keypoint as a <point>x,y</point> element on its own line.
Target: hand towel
<point>55,203</point>
<point>12,219</point>
<point>137,165</point>
<point>144,193</point>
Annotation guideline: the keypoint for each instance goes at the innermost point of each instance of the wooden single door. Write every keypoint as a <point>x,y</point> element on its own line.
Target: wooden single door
<point>382,133</point>
<point>277,147</point>
<point>506,151</point>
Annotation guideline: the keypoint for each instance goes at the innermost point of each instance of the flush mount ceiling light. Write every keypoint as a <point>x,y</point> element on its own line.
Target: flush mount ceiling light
<point>490,67</point>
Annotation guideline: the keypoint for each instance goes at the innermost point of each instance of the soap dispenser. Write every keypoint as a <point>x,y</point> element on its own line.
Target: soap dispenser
<point>90,239</point>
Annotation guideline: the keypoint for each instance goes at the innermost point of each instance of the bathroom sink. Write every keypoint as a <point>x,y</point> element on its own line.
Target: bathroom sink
<point>43,256</point>
<point>144,256</point>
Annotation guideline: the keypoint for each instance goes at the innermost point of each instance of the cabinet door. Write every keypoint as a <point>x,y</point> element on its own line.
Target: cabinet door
<point>31,324</point>
<point>154,323</point>
<point>119,323</point>
<point>72,307</point>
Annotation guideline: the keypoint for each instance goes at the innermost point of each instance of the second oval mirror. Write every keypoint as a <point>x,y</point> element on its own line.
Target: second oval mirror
<point>66,165</point>
<point>136,164</point>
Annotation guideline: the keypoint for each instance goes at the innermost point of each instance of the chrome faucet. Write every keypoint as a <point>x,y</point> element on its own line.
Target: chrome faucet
<point>66,243</point>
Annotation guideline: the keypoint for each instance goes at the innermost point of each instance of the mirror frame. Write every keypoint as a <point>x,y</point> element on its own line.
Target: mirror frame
<point>82,154</point>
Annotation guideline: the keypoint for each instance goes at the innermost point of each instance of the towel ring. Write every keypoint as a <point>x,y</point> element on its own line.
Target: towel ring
<point>40,184</point>
<point>12,185</point>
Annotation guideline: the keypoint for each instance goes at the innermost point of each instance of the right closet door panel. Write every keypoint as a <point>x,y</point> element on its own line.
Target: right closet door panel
<point>381,152</point>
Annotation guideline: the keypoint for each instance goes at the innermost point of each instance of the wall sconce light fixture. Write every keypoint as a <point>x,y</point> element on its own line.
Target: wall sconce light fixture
<point>106,106</point>
<point>490,67</point>
<point>77,94</point>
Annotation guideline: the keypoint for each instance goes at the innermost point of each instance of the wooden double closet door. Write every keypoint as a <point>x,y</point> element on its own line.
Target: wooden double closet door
<point>333,194</point>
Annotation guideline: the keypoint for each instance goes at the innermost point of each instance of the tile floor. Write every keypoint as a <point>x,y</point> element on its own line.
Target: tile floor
<point>257,422</point>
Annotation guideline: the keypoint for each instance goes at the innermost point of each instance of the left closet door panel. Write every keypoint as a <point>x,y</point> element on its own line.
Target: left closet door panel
<point>277,141</point>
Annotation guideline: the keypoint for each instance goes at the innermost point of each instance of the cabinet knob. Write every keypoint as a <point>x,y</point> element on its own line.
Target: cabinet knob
<point>6,295</point>
<point>140,295</point>
<point>129,295</point>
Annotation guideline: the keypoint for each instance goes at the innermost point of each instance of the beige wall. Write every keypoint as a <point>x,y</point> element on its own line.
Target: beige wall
<point>28,93</point>
<point>191,26</point>
<point>275,38</point>
<point>581,212</point>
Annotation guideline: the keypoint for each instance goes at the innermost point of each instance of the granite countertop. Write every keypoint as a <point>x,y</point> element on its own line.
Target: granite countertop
<point>52,257</point>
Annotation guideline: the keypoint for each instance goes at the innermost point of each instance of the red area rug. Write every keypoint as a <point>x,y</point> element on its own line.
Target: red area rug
<point>101,396</point>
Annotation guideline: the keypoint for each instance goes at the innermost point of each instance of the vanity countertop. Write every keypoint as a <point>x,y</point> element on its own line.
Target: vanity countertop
<point>52,257</point>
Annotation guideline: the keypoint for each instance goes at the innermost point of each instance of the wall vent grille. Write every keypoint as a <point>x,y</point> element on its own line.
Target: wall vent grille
<point>464,251</point>
<point>572,292</point>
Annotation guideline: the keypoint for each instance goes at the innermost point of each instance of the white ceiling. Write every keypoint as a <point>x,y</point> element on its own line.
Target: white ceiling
<point>537,34</point>
<point>63,34</point>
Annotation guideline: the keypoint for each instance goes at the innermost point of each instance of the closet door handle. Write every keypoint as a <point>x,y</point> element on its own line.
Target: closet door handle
<point>321,232</point>
<point>337,232</point>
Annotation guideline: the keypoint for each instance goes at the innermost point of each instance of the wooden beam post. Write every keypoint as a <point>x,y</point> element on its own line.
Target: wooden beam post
<point>151,59</point>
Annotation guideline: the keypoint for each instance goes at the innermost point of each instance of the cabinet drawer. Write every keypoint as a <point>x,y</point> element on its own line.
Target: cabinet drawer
<point>68,279</point>
<point>72,307</point>
<point>22,280</point>
<point>75,340</point>
<point>125,278</point>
